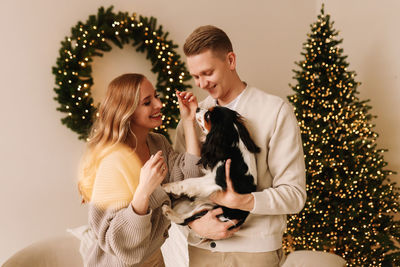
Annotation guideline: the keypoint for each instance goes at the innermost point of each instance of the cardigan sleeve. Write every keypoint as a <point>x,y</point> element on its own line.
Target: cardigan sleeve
<point>121,233</point>
<point>285,161</point>
<point>180,165</point>
<point>179,143</point>
<point>119,230</point>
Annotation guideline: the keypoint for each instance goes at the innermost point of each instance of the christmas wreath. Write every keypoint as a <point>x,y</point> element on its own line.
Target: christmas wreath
<point>73,70</point>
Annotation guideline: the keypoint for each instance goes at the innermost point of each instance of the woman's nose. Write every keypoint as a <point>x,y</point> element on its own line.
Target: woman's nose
<point>158,103</point>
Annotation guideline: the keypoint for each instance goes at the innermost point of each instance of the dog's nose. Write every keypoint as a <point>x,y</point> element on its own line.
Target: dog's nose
<point>197,110</point>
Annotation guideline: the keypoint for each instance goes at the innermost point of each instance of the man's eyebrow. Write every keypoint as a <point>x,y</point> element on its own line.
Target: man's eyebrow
<point>202,72</point>
<point>207,70</point>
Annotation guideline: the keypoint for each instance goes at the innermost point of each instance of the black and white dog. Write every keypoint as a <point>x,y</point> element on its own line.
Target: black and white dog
<point>226,138</point>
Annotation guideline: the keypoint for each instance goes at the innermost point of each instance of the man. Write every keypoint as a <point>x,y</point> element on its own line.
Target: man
<point>280,164</point>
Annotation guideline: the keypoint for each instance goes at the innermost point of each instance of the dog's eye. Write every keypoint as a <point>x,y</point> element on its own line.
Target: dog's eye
<point>207,116</point>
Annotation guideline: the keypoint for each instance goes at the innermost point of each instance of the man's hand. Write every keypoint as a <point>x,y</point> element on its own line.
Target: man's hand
<point>230,198</point>
<point>209,226</point>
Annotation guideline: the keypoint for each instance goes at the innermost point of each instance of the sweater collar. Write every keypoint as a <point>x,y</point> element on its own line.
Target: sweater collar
<point>150,143</point>
<point>233,104</point>
<point>241,105</point>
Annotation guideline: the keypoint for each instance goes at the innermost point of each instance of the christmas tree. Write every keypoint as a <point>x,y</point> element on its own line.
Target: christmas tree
<point>351,201</point>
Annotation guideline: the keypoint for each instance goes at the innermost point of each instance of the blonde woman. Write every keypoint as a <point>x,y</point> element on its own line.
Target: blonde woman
<point>123,168</point>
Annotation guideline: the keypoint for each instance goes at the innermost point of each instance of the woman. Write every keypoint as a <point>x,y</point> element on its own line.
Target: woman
<point>123,168</point>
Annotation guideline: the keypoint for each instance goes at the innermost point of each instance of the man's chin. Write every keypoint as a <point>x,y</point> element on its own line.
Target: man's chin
<point>213,93</point>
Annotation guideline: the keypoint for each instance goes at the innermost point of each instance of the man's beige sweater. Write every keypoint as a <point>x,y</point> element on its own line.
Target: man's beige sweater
<point>281,184</point>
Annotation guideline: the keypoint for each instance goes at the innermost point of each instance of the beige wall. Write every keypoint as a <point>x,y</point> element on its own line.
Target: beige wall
<point>39,156</point>
<point>371,39</point>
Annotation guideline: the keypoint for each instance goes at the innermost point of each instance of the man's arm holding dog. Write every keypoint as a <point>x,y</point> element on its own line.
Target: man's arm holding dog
<point>285,160</point>
<point>230,198</point>
<point>209,226</point>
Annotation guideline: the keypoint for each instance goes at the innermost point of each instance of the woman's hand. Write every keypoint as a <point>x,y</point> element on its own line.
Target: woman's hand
<point>187,105</point>
<point>151,175</point>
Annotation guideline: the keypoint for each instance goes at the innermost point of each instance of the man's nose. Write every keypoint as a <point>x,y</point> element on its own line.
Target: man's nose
<point>203,83</point>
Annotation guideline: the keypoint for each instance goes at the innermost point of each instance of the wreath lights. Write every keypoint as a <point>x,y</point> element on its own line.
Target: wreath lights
<point>73,67</point>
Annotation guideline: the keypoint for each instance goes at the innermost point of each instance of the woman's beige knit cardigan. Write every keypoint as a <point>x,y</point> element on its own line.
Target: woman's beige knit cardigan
<point>125,238</point>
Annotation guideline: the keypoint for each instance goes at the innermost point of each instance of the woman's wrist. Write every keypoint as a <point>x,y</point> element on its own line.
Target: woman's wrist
<point>189,127</point>
<point>140,202</point>
<point>142,192</point>
<point>192,142</point>
<point>188,121</point>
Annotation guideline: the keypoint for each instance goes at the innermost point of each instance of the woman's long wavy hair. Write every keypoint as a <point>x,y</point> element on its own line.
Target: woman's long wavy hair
<point>111,127</point>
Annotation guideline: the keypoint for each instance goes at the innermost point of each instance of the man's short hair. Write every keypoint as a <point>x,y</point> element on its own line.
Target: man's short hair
<point>207,38</point>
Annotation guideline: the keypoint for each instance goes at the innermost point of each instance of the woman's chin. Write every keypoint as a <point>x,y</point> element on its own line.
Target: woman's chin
<point>156,122</point>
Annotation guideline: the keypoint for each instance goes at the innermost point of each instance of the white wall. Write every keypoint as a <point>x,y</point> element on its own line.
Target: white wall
<point>39,156</point>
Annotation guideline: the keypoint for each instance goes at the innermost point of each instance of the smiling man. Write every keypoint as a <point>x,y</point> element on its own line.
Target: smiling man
<point>280,164</point>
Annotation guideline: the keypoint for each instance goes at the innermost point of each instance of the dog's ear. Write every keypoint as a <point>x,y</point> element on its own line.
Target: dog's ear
<point>210,149</point>
<point>244,135</point>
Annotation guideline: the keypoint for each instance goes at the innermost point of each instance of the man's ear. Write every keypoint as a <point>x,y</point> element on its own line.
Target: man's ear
<point>231,58</point>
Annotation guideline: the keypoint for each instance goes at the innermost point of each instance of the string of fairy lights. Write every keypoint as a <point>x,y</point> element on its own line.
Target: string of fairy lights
<point>350,198</point>
<point>73,69</point>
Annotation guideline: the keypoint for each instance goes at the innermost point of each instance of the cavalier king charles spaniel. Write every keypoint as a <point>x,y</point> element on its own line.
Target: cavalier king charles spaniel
<point>226,138</point>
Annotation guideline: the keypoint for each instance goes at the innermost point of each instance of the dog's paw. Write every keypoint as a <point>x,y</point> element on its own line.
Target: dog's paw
<point>173,188</point>
<point>192,192</point>
<point>168,187</point>
<point>166,210</point>
<point>171,214</point>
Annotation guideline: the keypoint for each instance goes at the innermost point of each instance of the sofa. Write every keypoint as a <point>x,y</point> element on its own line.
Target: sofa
<point>64,251</point>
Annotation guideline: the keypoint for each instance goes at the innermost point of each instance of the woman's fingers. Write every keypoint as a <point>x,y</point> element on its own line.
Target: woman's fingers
<point>155,158</point>
<point>192,98</point>
<point>164,169</point>
<point>159,164</point>
<point>179,98</point>
<point>185,96</point>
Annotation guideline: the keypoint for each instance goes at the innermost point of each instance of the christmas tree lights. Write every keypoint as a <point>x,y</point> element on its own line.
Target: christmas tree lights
<point>351,201</point>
